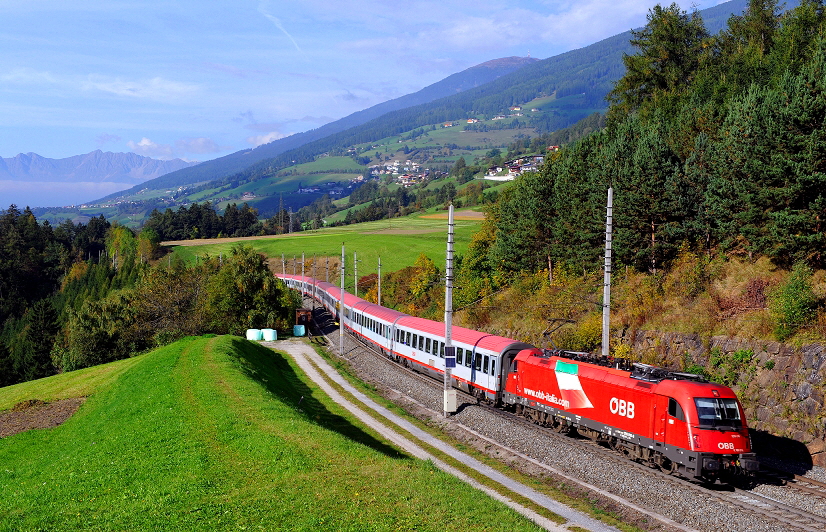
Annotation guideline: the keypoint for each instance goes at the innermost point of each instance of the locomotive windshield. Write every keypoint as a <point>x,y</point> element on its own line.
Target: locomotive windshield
<point>714,412</point>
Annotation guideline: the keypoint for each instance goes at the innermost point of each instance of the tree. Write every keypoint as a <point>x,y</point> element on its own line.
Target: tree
<point>245,294</point>
<point>670,47</point>
<point>458,167</point>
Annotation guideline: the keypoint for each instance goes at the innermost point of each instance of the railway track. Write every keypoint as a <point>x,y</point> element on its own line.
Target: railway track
<point>775,513</point>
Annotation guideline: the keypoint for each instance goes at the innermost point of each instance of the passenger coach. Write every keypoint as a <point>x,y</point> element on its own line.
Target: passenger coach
<point>417,342</point>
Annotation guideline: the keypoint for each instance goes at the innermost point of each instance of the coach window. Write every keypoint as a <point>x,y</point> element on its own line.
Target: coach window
<point>427,345</point>
<point>477,361</point>
<point>485,362</point>
<point>441,349</point>
<point>421,343</point>
<point>675,410</point>
<point>407,338</point>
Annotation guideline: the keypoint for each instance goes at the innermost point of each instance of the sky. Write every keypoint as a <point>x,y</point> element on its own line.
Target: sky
<point>200,79</point>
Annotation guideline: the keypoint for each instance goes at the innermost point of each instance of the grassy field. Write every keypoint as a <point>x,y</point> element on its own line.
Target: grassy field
<point>398,242</point>
<point>217,433</point>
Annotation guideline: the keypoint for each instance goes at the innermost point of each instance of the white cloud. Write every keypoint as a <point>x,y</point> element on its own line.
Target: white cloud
<point>28,75</point>
<point>154,89</point>
<point>263,8</point>
<point>258,140</point>
<point>147,148</point>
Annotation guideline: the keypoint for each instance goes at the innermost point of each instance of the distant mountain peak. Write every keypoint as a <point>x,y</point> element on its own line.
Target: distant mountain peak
<point>513,61</point>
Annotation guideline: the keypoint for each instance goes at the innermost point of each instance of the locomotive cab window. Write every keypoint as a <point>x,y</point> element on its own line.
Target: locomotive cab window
<point>675,410</point>
<point>715,412</point>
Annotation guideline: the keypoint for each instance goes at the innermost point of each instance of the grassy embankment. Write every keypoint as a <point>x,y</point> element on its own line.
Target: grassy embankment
<point>217,433</point>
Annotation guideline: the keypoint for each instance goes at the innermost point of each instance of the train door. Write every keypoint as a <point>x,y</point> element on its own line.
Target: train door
<point>676,428</point>
<point>658,418</point>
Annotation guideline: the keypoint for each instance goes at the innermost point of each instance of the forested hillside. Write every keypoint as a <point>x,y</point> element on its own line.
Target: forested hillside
<point>713,142</point>
<point>80,295</point>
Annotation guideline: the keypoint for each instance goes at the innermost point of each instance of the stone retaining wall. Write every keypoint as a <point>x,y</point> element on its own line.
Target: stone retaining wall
<point>782,389</point>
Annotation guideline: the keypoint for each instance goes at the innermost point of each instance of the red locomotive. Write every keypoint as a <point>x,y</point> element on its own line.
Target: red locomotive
<point>675,421</point>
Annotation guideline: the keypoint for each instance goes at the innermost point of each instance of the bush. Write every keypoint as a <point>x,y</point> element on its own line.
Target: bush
<point>793,304</point>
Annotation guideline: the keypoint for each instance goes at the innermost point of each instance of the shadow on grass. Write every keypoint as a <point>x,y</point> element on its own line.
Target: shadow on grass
<point>272,370</point>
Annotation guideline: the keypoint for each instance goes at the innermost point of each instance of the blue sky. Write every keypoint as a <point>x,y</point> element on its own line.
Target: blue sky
<point>200,79</point>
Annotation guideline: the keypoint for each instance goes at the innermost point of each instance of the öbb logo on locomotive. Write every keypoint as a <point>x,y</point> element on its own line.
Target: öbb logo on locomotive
<point>676,421</point>
<point>622,407</point>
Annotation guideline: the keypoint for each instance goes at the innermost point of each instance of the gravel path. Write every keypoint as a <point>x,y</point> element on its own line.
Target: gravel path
<point>308,360</point>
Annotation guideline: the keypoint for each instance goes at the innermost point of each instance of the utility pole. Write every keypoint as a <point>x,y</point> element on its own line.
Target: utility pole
<point>295,264</point>
<point>355,275</point>
<point>302,279</point>
<point>606,290</point>
<point>283,265</point>
<point>341,308</point>
<point>450,354</point>
<point>327,271</point>
<point>378,297</point>
<point>314,282</point>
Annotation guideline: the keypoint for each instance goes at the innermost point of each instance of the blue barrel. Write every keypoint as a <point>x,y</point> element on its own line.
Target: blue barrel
<point>298,330</point>
<point>254,335</point>
<point>270,335</point>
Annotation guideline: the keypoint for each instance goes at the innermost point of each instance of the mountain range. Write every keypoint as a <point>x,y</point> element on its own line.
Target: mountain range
<point>96,166</point>
<point>31,179</point>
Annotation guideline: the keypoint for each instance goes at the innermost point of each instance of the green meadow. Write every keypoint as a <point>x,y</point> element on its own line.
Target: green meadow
<point>398,242</point>
<point>217,433</point>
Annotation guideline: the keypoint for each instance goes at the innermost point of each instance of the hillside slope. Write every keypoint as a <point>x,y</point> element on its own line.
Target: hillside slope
<point>235,162</point>
<point>212,434</point>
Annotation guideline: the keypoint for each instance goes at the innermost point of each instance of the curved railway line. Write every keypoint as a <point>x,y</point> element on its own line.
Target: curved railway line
<point>775,513</point>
